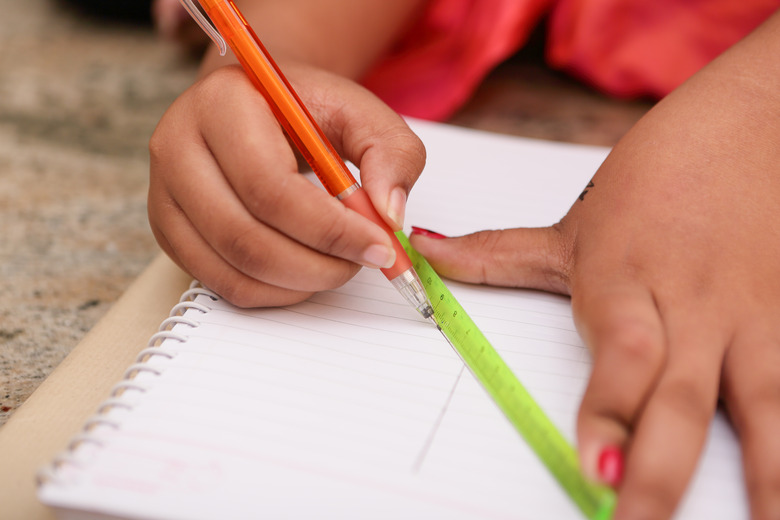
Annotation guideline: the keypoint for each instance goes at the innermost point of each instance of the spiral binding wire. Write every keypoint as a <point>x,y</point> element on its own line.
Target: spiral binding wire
<point>87,434</point>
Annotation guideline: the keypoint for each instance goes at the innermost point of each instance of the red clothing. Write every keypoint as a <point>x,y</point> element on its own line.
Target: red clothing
<point>626,48</point>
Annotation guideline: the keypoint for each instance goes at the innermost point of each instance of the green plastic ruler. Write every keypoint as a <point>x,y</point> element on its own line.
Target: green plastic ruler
<point>596,501</point>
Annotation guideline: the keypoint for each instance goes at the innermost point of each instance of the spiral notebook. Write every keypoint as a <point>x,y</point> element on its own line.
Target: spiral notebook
<point>349,405</point>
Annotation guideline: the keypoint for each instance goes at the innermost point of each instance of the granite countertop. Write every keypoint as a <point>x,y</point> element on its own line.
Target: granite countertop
<point>79,99</point>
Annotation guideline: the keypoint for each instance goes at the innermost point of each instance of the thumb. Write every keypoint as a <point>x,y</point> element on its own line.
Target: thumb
<point>367,132</point>
<point>535,258</point>
<point>389,168</point>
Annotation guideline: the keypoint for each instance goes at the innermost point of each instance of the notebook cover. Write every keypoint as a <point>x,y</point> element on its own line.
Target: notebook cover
<point>44,424</point>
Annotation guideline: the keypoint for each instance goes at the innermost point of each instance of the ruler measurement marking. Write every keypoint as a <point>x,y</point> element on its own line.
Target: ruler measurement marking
<point>594,500</point>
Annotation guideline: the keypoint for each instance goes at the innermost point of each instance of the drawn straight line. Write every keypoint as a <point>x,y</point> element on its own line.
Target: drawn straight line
<point>417,466</point>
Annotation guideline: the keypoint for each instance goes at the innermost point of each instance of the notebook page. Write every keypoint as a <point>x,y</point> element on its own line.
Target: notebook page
<point>349,405</point>
<point>351,401</point>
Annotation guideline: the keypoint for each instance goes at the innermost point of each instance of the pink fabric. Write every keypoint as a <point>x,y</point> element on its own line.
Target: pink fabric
<point>436,67</point>
<point>623,47</point>
<point>632,48</point>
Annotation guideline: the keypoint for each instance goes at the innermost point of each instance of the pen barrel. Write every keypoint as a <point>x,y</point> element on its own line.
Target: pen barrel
<point>288,108</point>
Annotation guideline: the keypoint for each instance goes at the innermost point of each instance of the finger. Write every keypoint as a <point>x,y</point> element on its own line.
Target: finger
<point>257,161</point>
<point>751,391</point>
<point>619,321</point>
<point>199,189</point>
<point>375,138</point>
<point>189,173</point>
<point>534,258</point>
<point>671,431</point>
<point>391,158</point>
<point>251,247</point>
<point>195,256</point>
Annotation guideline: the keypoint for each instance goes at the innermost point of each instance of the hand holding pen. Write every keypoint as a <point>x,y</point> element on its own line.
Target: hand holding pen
<point>226,201</point>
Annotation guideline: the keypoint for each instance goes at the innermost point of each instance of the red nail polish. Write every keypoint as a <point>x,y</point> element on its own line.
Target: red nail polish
<point>610,465</point>
<point>426,233</point>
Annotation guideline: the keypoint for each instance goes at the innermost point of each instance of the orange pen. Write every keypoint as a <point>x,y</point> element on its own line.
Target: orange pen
<point>230,28</point>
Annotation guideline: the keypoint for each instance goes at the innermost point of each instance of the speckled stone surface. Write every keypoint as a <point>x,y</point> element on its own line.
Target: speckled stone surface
<point>78,102</point>
<point>79,99</point>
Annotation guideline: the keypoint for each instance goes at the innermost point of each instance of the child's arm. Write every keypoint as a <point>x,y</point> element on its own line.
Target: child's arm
<point>225,199</point>
<point>345,37</point>
<point>672,260</point>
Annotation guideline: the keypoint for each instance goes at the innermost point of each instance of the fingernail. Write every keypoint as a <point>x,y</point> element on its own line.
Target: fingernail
<point>396,207</point>
<point>427,233</point>
<point>610,465</point>
<point>379,256</point>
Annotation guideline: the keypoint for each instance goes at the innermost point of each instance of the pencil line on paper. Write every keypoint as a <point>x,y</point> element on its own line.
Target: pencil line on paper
<point>429,441</point>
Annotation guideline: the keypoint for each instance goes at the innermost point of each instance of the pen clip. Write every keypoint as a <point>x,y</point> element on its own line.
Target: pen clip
<point>205,24</point>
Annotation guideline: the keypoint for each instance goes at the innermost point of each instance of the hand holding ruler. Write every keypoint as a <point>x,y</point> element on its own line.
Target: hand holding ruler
<point>596,501</point>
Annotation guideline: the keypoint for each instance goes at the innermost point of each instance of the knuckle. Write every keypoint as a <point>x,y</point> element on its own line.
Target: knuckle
<point>411,149</point>
<point>637,340</point>
<point>156,146</point>
<point>220,86</point>
<point>688,400</point>
<point>267,198</point>
<point>486,246</point>
<point>334,237</point>
<point>243,251</point>
<point>238,295</point>
<point>162,143</point>
<point>213,84</point>
<point>225,282</point>
<point>489,256</point>
<point>256,197</point>
<point>558,254</point>
<point>561,253</point>
<point>408,151</point>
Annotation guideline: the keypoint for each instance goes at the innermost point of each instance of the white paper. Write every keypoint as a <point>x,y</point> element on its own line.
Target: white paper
<point>350,405</point>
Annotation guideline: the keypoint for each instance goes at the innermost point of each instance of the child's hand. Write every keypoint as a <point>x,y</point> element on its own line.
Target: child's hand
<point>673,264</point>
<point>227,203</point>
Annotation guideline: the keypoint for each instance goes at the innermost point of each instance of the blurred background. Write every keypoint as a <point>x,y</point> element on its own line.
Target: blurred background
<point>79,98</point>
